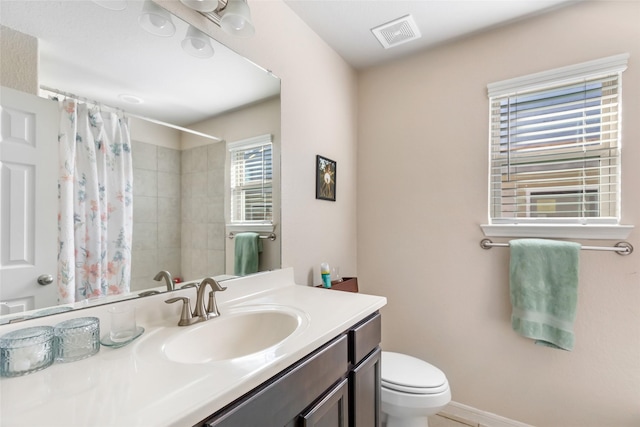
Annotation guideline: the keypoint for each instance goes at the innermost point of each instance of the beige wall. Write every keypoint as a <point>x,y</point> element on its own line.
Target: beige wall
<point>422,193</point>
<point>318,116</point>
<point>19,60</point>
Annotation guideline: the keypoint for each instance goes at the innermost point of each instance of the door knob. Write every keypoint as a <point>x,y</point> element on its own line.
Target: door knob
<point>45,279</point>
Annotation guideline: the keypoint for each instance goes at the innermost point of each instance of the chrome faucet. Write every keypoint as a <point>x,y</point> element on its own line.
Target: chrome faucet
<point>200,314</point>
<point>212,308</point>
<point>167,278</point>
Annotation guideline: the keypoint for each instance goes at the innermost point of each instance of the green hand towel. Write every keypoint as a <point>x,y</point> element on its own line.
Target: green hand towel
<point>247,250</point>
<point>544,290</point>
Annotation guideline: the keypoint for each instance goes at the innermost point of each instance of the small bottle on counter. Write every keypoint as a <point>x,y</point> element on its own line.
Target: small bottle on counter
<point>325,272</point>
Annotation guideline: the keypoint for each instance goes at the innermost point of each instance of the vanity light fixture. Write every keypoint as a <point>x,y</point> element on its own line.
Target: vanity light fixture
<point>233,16</point>
<point>197,43</point>
<point>156,20</point>
<point>201,5</point>
<point>236,19</point>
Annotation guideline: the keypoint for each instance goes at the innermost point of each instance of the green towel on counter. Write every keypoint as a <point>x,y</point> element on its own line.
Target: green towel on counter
<point>543,278</point>
<point>247,251</point>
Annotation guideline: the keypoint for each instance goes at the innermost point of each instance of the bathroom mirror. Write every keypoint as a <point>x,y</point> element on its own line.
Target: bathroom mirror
<point>103,55</point>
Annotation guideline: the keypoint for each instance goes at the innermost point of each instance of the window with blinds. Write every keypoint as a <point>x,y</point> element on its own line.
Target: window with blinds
<point>555,146</point>
<point>251,183</point>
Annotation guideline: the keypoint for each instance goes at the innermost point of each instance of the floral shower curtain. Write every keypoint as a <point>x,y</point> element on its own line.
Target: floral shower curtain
<point>95,219</point>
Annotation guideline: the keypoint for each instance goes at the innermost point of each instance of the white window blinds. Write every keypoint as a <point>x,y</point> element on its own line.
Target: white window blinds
<point>251,184</point>
<point>554,145</point>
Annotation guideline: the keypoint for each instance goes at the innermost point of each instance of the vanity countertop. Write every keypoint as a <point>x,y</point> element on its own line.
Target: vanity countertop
<point>131,386</point>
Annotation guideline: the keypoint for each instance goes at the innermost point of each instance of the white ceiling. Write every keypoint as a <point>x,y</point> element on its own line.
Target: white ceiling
<point>346,24</point>
<point>99,54</point>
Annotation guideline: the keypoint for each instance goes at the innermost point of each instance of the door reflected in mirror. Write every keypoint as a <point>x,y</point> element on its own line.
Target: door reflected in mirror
<point>180,175</point>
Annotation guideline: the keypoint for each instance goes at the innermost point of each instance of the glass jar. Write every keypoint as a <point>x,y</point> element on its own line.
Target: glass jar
<point>26,350</point>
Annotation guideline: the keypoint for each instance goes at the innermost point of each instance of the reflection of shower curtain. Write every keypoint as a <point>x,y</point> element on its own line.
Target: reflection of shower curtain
<point>95,218</point>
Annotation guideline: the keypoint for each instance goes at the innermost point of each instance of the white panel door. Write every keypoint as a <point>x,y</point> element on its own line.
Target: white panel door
<point>29,197</point>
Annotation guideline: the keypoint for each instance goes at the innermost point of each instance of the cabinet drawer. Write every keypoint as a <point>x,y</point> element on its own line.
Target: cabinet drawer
<point>364,338</point>
<point>282,399</point>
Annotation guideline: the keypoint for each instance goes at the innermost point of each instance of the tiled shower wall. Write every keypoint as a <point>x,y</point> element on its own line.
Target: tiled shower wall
<point>203,225</point>
<point>178,212</point>
<point>156,213</point>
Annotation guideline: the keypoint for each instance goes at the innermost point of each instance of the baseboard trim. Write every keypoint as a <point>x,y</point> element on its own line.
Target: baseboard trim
<point>477,417</point>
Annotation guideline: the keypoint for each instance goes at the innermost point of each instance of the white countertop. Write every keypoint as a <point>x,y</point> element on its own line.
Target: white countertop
<point>135,386</point>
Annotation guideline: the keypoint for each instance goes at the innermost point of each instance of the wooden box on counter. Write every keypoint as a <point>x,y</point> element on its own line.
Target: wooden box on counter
<point>348,284</point>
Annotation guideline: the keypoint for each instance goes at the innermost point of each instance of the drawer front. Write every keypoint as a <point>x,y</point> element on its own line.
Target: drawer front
<point>364,338</point>
<point>282,399</point>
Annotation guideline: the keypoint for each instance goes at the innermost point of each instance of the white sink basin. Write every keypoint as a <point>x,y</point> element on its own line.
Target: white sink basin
<point>237,333</point>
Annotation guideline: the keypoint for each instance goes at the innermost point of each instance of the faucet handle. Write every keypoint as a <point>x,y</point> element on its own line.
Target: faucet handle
<point>186,318</point>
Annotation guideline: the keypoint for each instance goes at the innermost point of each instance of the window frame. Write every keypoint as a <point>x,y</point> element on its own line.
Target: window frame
<point>247,145</point>
<point>557,227</point>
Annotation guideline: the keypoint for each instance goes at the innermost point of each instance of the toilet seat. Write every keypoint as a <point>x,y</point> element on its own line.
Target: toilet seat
<point>407,374</point>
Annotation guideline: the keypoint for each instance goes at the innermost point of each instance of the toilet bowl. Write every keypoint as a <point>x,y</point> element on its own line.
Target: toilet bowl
<point>412,389</point>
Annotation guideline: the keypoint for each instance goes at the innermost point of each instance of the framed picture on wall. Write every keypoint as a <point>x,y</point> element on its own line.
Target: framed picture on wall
<point>325,179</point>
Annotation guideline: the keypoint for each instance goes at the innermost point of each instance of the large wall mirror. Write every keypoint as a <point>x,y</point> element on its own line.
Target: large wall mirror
<point>183,106</point>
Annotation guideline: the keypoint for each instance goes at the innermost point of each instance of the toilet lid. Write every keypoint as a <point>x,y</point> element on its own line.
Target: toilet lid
<point>408,374</point>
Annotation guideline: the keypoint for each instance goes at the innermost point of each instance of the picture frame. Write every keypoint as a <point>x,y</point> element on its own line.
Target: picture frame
<point>325,178</point>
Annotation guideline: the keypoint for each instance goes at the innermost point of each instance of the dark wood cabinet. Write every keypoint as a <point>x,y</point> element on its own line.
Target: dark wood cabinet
<point>364,383</point>
<point>338,385</point>
<point>331,411</point>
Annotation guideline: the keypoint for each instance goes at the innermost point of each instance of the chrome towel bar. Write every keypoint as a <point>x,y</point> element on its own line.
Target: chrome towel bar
<point>621,248</point>
<point>270,236</point>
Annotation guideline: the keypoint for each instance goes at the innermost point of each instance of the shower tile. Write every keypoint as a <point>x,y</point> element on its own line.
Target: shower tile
<point>169,160</point>
<point>144,263</point>
<point>199,161</point>
<point>145,156</point>
<point>169,184</point>
<point>185,235</point>
<point>186,180</point>
<point>185,266</point>
<point>145,183</point>
<point>215,262</point>
<point>170,235</point>
<point>169,210</point>
<point>186,160</point>
<point>215,183</point>
<point>199,263</point>
<point>186,210</point>
<point>199,184</point>
<point>216,155</point>
<point>145,235</point>
<point>145,209</point>
<point>215,209</point>
<point>142,283</point>
<point>215,236</point>
<point>199,210</point>
<point>199,236</point>
<point>170,260</point>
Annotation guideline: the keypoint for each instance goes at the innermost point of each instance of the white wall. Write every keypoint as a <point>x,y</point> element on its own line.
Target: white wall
<point>422,193</point>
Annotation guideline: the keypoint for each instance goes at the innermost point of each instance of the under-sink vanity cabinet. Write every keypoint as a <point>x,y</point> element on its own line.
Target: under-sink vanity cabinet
<point>338,385</point>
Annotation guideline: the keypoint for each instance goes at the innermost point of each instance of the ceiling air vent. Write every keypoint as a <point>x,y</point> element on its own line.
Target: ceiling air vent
<point>397,32</point>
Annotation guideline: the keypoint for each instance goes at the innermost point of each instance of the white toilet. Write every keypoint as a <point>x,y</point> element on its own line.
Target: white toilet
<point>412,389</point>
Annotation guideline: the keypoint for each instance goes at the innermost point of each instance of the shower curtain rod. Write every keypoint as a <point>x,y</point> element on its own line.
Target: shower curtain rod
<point>621,248</point>
<point>135,116</point>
